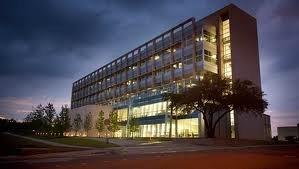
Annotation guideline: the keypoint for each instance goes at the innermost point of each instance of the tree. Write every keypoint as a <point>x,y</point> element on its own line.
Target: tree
<point>214,97</point>
<point>133,126</point>
<point>113,123</point>
<point>77,123</point>
<point>173,105</point>
<point>62,121</point>
<point>100,122</point>
<point>87,122</point>
<point>36,118</point>
<point>49,117</point>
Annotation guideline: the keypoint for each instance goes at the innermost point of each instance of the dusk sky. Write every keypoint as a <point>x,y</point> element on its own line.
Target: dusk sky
<point>46,45</point>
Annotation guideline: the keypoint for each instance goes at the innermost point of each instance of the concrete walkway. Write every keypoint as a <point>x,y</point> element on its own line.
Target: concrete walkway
<point>123,142</point>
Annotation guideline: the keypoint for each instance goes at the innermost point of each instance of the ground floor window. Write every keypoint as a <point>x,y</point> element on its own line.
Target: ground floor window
<point>185,128</point>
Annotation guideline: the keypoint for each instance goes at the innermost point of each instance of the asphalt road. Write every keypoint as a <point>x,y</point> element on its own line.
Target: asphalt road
<point>277,157</point>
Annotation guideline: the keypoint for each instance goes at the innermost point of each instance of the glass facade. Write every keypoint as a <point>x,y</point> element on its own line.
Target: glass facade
<point>185,128</point>
<point>122,114</point>
<point>173,56</point>
<point>227,65</point>
<point>150,110</point>
<point>134,82</point>
<point>226,49</point>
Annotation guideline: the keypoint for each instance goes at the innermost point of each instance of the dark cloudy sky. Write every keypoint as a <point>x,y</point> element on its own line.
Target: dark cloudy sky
<point>46,45</point>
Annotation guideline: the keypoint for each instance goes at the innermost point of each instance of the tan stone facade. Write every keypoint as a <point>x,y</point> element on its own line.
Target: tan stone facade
<point>83,111</point>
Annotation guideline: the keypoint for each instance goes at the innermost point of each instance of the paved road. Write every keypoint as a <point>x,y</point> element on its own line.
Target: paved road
<point>269,157</point>
<point>163,155</point>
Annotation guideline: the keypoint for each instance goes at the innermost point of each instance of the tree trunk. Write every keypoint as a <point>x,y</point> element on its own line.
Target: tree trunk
<point>170,122</point>
<point>210,132</point>
<point>176,125</point>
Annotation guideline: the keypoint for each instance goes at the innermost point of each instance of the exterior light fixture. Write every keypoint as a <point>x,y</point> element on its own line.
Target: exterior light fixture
<point>157,57</point>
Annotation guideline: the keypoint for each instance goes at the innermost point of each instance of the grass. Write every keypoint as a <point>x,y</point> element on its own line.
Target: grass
<point>11,145</point>
<point>77,141</point>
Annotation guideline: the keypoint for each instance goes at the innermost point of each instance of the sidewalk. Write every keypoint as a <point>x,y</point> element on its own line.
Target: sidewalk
<point>123,142</point>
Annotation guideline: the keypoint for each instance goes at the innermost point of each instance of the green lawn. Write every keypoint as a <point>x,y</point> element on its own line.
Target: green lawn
<point>11,145</point>
<point>77,141</point>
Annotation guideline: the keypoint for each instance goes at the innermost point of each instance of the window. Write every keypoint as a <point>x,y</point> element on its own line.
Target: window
<point>157,57</point>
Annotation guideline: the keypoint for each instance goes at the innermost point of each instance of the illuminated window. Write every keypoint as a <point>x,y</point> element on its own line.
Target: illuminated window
<point>180,65</point>
<point>157,57</point>
<point>232,123</point>
<point>226,49</point>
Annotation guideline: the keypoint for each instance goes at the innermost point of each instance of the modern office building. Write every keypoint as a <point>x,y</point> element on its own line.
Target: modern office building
<point>224,42</point>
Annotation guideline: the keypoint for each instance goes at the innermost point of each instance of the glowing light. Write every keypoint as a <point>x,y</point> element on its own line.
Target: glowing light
<point>213,39</point>
<point>180,65</point>
<point>157,57</point>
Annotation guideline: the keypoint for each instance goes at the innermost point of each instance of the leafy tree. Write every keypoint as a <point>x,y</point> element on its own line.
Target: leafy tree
<point>133,125</point>
<point>77,123</point>
<point>49,117</point>
<point>62,122</point>
<point>87,122</point>
<point>100,122</point>
<point>214,97</point>
<point>113,123</point>
<point>173,105</point>
<point>36,118</point>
